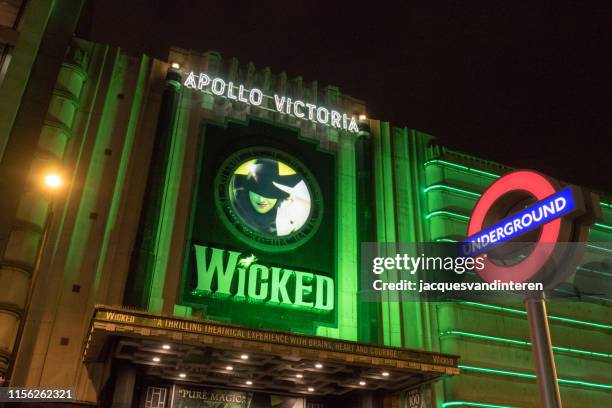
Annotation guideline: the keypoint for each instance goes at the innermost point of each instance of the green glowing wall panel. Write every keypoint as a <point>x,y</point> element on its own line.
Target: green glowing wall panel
<point>347,236</point>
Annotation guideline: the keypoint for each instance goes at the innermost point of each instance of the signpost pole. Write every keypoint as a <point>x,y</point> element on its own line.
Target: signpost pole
<point>541,347</point>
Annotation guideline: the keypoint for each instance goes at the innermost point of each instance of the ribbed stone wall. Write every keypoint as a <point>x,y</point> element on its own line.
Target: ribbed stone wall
<point>19,260</point>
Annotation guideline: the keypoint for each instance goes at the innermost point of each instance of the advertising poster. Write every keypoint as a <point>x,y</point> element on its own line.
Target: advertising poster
<point>199,397</point>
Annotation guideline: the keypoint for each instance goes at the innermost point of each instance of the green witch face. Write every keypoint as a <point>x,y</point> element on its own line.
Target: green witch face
<point>260,203</point>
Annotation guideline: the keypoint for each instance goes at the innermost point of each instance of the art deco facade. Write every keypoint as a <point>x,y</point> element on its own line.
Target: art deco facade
<point>102,289</point>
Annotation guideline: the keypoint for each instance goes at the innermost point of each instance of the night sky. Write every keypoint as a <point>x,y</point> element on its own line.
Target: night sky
<point>528,85</point>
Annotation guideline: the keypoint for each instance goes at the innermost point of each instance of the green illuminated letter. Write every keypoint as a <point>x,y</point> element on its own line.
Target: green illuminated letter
<point>241,282</point>
<point>254,279</point>
<point>279,286</point>
<point>215,266</point>
<point>325,293</point>
<point>303,287</point>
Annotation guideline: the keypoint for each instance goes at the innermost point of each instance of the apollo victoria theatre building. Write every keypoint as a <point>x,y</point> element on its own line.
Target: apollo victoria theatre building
<point>210,235</point>
<point>205,251</point>
<point>261,250</point>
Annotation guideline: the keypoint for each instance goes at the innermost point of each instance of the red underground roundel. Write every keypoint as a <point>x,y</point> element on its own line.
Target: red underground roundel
<point>506,210</point>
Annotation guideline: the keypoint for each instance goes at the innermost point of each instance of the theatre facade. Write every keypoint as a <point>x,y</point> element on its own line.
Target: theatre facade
<point>204,250</point>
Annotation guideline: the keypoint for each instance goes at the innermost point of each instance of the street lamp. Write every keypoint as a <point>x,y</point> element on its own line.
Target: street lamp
<point>53,181</point>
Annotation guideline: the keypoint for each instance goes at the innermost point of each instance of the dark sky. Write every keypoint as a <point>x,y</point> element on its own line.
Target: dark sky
<point>525,84</point>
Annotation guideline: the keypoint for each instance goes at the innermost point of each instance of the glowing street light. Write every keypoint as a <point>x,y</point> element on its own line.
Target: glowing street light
<point>53,180</point>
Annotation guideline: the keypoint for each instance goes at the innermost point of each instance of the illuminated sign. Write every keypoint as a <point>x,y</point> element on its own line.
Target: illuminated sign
<point>282,104</point>
<point>550,208</point>
<point>268,199</point>
<point>551,214</point>
<point>226,336</point>
<point>231,274</point>
<point>183,396</point>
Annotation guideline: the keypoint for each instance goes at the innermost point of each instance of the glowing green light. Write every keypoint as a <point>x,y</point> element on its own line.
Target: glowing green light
<point>448,214</point>
<point>533,377</point>
<point>521,343</point>
<point>599,248</point>
<point>260,283</point>
<point>463,217</point>
<point>574,321</point>
<point>582,268</point>
<point>450,188</point>
<point>522,312</point>
<point>476,195</point>
<point>460,167</point>
<point>473,404</point>
<point>603,226</point>
<point>445,240</point>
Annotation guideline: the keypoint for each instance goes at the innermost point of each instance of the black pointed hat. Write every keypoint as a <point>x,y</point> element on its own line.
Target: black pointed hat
<point>262,174</point>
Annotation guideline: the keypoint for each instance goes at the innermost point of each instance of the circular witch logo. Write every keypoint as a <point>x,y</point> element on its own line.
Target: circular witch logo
<point>268,199</point>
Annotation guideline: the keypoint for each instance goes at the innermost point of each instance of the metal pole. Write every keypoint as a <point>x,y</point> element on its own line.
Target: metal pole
<point>542,353</point>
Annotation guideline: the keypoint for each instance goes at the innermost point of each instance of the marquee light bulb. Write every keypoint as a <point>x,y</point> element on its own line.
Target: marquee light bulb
<point>249,382</point>
<point>310,389</point>
<point>166,347</point>
<point>362,383</point>
<point>156,359</point>
<point>299,376</point>
<point>229,368</point>
<point>244,356</point>
<point>319,365</point>
<point>182,375</point>
<point>385,373</point>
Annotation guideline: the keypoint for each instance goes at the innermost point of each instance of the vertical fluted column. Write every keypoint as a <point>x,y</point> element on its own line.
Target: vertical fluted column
<point>21,255</point>
<point>140,278</point>
<point>368,311</point>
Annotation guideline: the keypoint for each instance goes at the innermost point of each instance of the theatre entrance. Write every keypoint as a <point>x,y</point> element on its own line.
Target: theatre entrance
<point>156,361</point>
